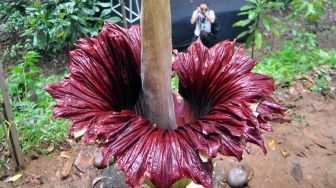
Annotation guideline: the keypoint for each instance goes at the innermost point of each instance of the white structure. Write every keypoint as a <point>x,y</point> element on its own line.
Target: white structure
<point>132,9</point>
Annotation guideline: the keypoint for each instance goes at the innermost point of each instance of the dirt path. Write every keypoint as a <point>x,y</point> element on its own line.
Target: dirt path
<point>300,154</point>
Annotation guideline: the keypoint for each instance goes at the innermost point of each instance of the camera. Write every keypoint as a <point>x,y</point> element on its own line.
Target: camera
<point>204,10</point>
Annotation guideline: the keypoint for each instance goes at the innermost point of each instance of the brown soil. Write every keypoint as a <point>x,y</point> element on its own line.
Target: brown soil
<point>309,141</point>
<point>300,154</point>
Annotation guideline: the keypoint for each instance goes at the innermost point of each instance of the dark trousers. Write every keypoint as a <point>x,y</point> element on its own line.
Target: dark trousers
<point>208,39</point>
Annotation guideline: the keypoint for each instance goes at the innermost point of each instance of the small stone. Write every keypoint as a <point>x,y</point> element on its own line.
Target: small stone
<point>236,177</point>
<point>296,172</point>
<point>97,162</point>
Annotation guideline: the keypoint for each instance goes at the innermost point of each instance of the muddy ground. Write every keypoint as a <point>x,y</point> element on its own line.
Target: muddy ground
<point>300,154</point>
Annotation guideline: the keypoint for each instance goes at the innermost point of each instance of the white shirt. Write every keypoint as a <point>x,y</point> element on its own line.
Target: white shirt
<point>202,23</point>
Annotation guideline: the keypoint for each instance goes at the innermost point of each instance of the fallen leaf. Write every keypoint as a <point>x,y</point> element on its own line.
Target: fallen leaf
<point>250,175</point>
<point>249,170</point>
<point>284,153</point>
<point>51,148</point>
<point>13,178</point>
<point>65,154</point>
<point>66,169</point>
<point>316,140</point>
<point>58,174</point>
<point>79,133</point>
<point>271,144</point>
<point>83,162</point>
<point>97,179</point>
<point>193,185</point>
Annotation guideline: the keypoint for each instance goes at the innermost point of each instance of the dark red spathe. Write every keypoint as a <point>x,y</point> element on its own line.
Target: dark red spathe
<point>214,116</point>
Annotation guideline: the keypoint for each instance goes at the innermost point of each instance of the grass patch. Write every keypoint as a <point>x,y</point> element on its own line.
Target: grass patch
<point>292,60</point>
<point>33,116</point>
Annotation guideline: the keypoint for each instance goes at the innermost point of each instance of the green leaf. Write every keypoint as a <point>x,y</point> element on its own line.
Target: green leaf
<point>181,183</point>
<point>253,1</point>
<point>243,34</point>
<point>36,4</point>
<point>104,5</point>
<point>258,39</point>
<point>275,32</point>
<point>95,8</point>
<point>252,15</point>
<point>247,7</point>
<point>244,13</point>
<point>88,11</point>
<point>265,22</point>
<point>249,41</point>
<point>60,34</point>
<point>112,19</point>
<point>105,12</point>
<point>35,39</point>
<point>241,23</point>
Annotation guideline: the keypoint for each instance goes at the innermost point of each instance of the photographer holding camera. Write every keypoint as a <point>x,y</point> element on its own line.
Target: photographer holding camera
<point>203,17</point>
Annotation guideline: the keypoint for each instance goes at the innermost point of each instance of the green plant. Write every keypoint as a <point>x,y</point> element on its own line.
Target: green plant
<point>292,60</point>
<point>312,10</point>
<point>32,105</point>
<point>305,17</point>
<point>322,80</point>
<point>258,14</point>
<point>23,77</point>
<point>53,25</point>
<point>33,119</point>
<point>11,14</point>
<point>175,83</point>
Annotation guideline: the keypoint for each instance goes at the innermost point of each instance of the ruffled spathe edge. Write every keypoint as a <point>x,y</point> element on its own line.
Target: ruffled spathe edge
<point>216,86</point>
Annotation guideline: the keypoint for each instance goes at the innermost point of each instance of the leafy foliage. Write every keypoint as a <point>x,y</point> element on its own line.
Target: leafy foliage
<point>322,80</point>
<point>258,15</point>
<point>11,14</point>
<point>305,18</point>
<point>312,10</point>
<point>23,74</point>
<point>33,119</point>
<point>294,59</point>
<point>52,25</point>
<point>31,105</point>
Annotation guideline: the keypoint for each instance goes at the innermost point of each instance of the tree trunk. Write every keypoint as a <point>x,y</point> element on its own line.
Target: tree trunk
<point>156,56</point>
<point>123,11</point>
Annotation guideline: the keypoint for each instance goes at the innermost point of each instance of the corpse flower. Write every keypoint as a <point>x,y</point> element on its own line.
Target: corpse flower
<point>213,115</point>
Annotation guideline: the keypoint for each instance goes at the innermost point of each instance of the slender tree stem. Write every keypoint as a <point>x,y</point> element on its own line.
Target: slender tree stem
<point>123,11</point>
<point>156,56</point>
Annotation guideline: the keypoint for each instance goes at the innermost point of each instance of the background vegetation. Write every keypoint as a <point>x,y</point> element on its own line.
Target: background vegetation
<point>35,33</point>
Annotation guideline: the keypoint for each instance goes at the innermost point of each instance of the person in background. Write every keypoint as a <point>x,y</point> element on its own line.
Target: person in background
<point>203,17</point>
